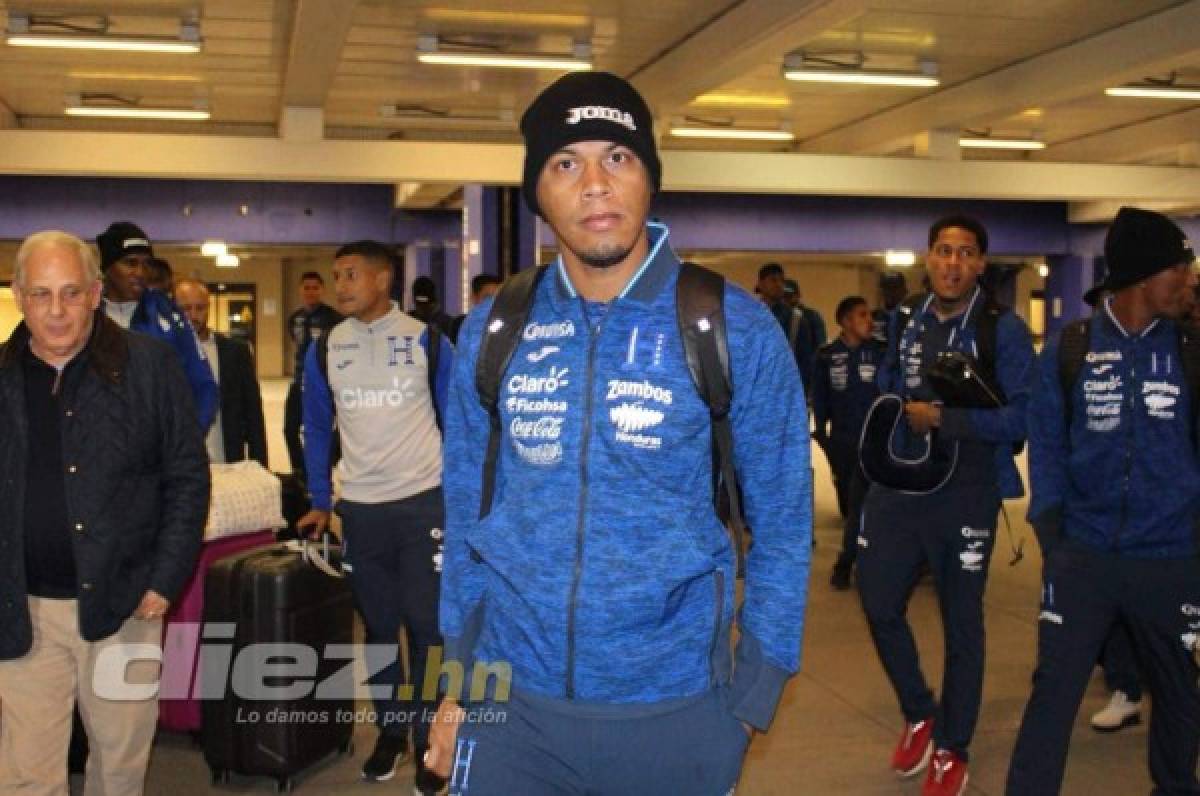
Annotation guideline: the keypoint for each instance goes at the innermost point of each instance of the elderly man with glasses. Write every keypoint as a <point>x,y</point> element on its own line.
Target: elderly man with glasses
<point>102,505</point>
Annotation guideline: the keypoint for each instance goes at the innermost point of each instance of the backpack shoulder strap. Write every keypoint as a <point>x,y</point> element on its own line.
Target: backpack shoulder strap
<point>433,351</point>
<point>1072,355</point>
<point>985,342</point>
<point>510,309</point>
<point>700,309</point>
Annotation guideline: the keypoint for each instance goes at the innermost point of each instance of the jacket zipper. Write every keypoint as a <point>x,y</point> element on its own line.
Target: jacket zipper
<point>1129,442</point>
<point>583,496</point>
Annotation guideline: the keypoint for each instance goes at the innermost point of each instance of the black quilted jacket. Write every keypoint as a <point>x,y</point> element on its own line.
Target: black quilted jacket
<point>137,480</point>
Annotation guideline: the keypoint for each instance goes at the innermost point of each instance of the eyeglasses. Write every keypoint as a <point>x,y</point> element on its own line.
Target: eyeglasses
<point>70,296</point>
<point>964,252</point>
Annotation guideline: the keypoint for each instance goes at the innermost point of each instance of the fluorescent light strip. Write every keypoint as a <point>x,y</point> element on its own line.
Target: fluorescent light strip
<point>174,114</point>
<point>732,133</point>
<point>213,248</point>
<point>1191,93</point>
<point>228,261</point>
<point>742,100</point>
<point>103,43</point>
<point>1001,143</point>
<point>899,259</point>
<point>556,62</point>
<point>903,79</point>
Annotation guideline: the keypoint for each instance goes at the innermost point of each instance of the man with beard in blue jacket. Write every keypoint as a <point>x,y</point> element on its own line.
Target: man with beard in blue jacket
<point>1116,489</point>
<point>602,575</point>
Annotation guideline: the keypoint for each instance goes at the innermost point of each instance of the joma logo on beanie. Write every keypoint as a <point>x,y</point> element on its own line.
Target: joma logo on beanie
<point>588,112</point>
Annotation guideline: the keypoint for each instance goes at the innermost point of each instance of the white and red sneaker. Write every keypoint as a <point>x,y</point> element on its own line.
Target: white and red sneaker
<point>914,749</point>
<point>947,775</point>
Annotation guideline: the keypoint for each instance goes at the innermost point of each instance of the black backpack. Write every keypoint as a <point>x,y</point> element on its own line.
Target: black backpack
<point>699,302</point>
<point>1072,356</point>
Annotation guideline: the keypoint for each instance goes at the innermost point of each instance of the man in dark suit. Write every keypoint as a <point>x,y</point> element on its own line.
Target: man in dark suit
<point>239,432</point>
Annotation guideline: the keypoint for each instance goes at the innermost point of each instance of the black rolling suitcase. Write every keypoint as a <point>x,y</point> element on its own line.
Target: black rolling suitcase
<point>274,715</point>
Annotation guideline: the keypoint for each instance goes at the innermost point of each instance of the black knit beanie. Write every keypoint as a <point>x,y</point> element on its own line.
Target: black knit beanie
<point>1139,244</point>
<point>120,239</point>
<point>586,106</point>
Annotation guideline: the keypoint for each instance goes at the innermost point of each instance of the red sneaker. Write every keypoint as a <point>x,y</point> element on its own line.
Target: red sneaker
<point>915,747</point>
<point>947,776</point>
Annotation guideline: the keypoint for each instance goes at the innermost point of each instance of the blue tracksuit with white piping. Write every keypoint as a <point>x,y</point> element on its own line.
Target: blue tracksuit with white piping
<point>156,315</point>
<point>952,529</point>
<point>376,384</point>
<point>602,574</point>
<point>1116,495</point>
<point>843,390</point>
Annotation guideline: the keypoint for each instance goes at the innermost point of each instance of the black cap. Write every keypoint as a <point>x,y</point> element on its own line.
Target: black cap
<point>120,239</point>
<point>770,269</point>
<point>892,278</point>
<point>586,106</point>
<point>1139,244</point>
<point>424,291</point>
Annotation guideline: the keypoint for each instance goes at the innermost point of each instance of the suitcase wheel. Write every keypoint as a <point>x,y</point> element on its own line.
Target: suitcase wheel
<point>283,785</point>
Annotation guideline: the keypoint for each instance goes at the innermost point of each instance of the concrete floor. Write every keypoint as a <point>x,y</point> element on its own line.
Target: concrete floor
<point>838,721</point>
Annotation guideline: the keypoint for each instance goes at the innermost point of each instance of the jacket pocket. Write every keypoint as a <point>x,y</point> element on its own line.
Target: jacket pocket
<point>717,656</point>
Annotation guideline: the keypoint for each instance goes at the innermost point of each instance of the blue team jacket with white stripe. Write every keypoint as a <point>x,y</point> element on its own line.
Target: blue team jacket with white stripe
<point>602,574</point>
<point>1124,475</point>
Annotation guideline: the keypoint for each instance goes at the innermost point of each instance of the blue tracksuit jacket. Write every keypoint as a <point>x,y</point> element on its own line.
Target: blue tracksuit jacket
<point>1124,477</point>
<point>844,388</point>
<point>1015,365</point>
<point>602,574</point>
<point>157,316</point>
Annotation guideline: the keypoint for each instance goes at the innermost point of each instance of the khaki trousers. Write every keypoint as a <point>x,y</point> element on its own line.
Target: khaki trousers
<point>39,691</point>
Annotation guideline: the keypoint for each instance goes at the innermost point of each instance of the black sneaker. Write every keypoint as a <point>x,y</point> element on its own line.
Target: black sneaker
<point>390,752</point>
<point>427,783</point>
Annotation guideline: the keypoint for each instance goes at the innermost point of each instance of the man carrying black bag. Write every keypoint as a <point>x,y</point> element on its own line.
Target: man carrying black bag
<point>952,526</point>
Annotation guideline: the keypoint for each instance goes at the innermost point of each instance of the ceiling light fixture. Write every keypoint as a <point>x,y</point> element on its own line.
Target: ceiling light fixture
<point>112,106</point>
<point>733,133</point>
<point>228,261</point>
<point>987,142</point>
<point>804,67</point>
<point>899,259</point>
<point>213,248</point>
<point>25,30</point>
<point>429,51</point>
<point>743,100</point>
<point>1156,91</point>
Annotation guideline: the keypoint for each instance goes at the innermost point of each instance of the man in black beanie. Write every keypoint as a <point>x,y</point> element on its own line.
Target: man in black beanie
<point>1116,498</point>
<point>601,578</point>
<point>126,260</point>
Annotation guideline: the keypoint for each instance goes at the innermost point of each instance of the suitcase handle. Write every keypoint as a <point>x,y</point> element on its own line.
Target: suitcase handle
<point>318,558</point>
